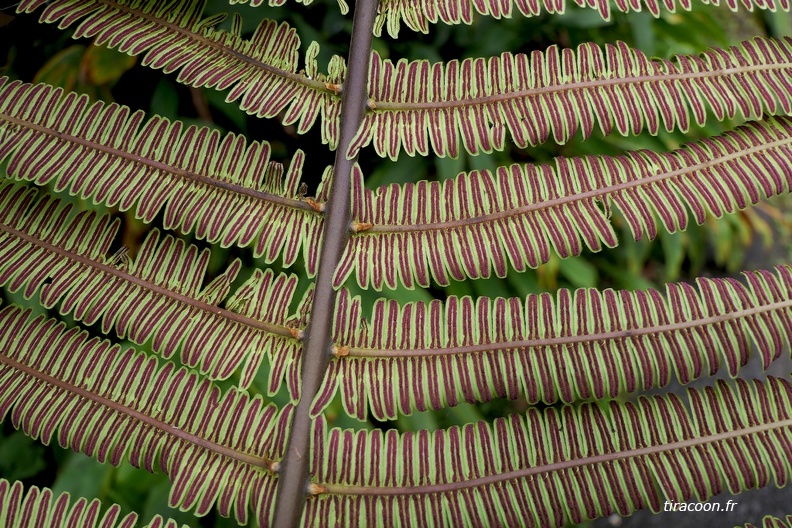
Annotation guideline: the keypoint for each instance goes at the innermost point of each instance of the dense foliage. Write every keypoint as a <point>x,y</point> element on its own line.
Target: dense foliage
<point>385,303</point>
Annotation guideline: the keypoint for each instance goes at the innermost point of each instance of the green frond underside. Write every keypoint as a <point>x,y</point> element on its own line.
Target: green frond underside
<point>587,344</point>
<point>224,189</point>
<point>771,522</point>
<point>114,405</point>
<point>40,507</point>
<point>483,222</point>
<point>260,72</point>
<point>418,14</point>
<point>226,451</point>
<point>559,466</point>
<point>418,106</point>
<point>159,296</point>
<point>256,3</point>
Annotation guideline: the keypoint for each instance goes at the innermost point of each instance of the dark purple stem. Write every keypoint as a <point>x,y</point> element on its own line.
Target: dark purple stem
<point>293,479</point>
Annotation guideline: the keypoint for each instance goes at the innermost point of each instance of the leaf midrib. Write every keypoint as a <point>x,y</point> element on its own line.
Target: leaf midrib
<point>340,489</point>
<point>572,198</point>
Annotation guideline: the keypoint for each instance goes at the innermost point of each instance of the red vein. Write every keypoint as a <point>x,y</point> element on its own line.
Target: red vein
<point>137,415</point>
<point>165,292</point>
<point>659,77</point>
<point>569,340</point>
<point>563,200</point>
<point>136,158</point>
<point>550,468</point>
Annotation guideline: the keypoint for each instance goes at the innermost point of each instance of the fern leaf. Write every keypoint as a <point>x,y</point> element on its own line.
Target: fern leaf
<point>223,189</point>
<point>482,222</point>
<point>559,466</point>
<point>418,14</point>
<point>39,508</point>
<point>260,72</point>
<point>158,296</point>
<point>114,405</point>
<point>772,522</point>
<point>343,6</point>
<point>586,344</point>
<point>417,105</point>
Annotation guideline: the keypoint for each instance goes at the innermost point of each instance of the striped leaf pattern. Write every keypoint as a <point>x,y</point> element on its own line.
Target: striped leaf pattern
<point>158,296</point>
<point>559,466</point>
<point>587,344</point>
<point>219,187</point>
<point>418,14</point>
<point>420,106</point>
<point>256,3</point>
<point>261,72</point>
<point>773,522</point>
<point>482,222</point>
<point>39,507</point>
<point>114,405</point>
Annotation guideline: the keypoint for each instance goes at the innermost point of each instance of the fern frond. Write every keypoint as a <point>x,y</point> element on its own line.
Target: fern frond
<point>158,296</point>
<point>418,14</point>
<point>586,344</point>
<point>343,6</point>
<point>420,106</point>
<point>772,522</point>
<point>482,222</point>
<point>559,466</point>
<point>115,405</point>
<point>260,72</point>
<point>40,508</point>
<point>220,187</point>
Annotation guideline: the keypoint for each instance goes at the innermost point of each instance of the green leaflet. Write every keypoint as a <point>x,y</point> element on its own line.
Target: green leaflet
<point>158,296</point>
<point>557,466</point>
<point>113,404</point>
<point>772,522</point>
<point>256,3</point>
<point>483,223</point>
<point>224,189</point>
<point>421,107</point>
<point>574,359</point>
<point>418,14</point>
<point>572,346</point>
<point>260,72</point>
<point>39,507</point>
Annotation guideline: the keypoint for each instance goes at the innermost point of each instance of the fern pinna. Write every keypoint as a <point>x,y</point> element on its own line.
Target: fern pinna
<point>245,383</point>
